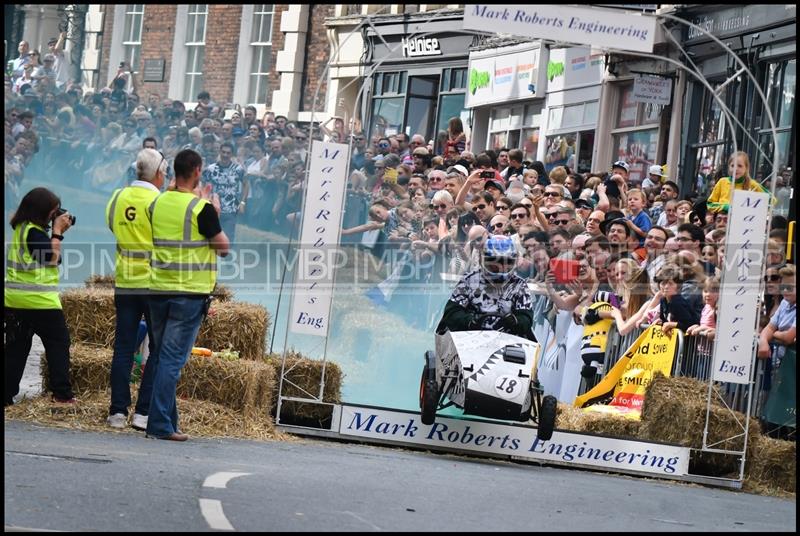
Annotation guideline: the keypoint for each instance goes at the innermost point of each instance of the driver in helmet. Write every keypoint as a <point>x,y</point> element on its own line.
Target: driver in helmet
<point>491,297</point>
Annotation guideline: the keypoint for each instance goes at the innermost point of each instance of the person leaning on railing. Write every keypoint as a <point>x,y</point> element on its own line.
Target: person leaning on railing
<point>781,331</point>
<point>32,305</point>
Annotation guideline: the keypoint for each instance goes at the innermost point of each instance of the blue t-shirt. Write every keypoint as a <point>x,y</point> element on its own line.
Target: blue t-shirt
<point>642,221</point>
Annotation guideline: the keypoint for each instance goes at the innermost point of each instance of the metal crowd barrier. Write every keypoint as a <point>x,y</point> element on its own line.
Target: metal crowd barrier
<point>693,359</point>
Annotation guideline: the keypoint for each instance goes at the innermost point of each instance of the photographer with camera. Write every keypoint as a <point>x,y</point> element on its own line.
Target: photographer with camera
<point>32,305</point>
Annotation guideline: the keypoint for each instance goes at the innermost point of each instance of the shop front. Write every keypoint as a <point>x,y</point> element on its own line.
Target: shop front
<point>506,95</point>
<point>764,37</point>
<point>418,76</point>
<point>574,77</point>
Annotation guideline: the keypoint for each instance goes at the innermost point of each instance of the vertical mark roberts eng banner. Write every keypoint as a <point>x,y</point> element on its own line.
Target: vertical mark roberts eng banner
<point>739,292</point>
<point>583,25</point>
<point>322,224</point>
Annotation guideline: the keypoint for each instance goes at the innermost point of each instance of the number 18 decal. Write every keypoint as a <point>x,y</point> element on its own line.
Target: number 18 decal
<point>508,386</point>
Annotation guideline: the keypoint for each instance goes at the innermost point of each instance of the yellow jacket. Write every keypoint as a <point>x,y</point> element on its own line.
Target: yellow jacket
<point>720,198</point>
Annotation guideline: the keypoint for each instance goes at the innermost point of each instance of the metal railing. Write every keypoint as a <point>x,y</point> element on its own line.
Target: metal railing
<point>693,359</point>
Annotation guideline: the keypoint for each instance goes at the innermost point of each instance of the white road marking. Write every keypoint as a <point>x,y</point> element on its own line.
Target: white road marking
<point>215,517</point>
<point>220,480</point>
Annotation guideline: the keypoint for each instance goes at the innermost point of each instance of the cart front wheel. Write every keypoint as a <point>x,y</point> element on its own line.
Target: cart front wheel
<point>547,418</point>
<point>428,397</point>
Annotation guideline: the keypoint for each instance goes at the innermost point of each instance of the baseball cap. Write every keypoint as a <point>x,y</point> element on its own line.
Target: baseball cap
<point>52,41</point>
<point>655,169</point>
<point>494,182</point>
<point>621,164</point>
<point>458,168</point>
<point>583,203</point>
<point>420,151</point>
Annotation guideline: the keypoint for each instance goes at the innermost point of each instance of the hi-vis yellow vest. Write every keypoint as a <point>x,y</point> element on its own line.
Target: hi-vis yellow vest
<point>29,284</point>
<point>126,214</point>
<point>182,261</point>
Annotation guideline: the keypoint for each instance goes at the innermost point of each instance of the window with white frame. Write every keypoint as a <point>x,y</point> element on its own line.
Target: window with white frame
<point>570,136</point>
<point>516,127</point>
<point>261,41</point>
<point>195,50</point>
<point>132,35</point>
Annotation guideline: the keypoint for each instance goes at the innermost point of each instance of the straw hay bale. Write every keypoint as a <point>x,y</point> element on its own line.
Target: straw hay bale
<point>100,281</point>
<point>90,314</point>
<point>674,411</point>
<point>242,326</point>
<point>89,368</point>
<point>91,318</point>
<point>244,386</point>
<point>570,418</point>
<point>222,293</point>
<point>611,425</point>
<point>771,466</point>
<point>247,387</point>
<point>302,380</point>
<point>198,418</point>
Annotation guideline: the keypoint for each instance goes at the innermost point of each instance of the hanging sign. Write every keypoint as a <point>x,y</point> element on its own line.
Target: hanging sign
<point>652,90</point>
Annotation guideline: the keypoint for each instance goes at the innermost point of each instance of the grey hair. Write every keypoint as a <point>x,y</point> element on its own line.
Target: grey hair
<point>443,195</point>
<point>148,163</point>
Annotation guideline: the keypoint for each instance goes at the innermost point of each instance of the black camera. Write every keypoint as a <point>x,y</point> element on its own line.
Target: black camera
<point>61,211</point>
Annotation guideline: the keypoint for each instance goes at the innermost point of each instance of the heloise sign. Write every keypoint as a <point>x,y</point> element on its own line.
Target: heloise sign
<point>322,222</point>
<point>739,293</point>
<point>582,25</point>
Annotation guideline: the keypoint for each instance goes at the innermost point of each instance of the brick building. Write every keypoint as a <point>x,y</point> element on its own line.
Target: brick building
<point>268,55</point>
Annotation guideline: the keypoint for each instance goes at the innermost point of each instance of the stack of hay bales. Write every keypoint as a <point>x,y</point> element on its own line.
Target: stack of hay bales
<point>302,380</point>
<point>91,318</point>
<point>246,387</point>
<point>573,419</point>
<point>221,292</point>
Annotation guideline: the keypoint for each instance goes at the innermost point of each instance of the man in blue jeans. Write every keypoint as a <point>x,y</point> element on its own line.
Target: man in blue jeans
<point>187,236</point>
<point>126,215</point>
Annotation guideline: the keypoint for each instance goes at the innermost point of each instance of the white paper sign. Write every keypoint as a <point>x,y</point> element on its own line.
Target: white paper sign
<point>504,77</point>
<point>322,224</point>
<point>581,25</point>
<point>652,90</point>
<point>516,441</point>
<point>741,283</point>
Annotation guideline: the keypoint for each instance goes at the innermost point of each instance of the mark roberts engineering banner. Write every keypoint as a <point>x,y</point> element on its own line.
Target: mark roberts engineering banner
<point>516,441</point>
<point>322,222</point>
<point>741,282</point>
<point>584,25</point>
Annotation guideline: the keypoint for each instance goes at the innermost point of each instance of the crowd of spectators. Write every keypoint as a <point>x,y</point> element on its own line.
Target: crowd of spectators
<point>653,253</point>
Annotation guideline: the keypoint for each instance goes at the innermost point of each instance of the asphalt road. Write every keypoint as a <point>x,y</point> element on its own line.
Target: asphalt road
<point>73,480</point>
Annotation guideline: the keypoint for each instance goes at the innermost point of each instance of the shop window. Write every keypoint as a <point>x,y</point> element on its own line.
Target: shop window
<point>781,83</point>
<point>516,127</point>
<point>637,148</point>
<point>571,139</point>
<point>634,114</point>
<point>452,91</point>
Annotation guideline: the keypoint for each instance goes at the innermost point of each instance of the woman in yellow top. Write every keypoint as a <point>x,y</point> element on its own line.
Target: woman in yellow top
<point>739,168</point>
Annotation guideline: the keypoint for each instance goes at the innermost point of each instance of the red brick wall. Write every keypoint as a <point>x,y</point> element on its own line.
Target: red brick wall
<point>222,50</point>
<point>105,46</point>
<point>277,45</point>
<point>158,36</point>
<point>317,55</point>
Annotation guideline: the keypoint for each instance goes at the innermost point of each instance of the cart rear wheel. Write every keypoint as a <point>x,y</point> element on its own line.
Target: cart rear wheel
<point>428,397</point>
<point>547,418</point>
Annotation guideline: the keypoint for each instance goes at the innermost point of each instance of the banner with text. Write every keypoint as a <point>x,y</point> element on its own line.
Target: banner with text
<point>322,223</point>
<point>741,283</point>
<point>504,77</point>
<point>516,441</point>
<point>651,352</point>
<point>581,25</point>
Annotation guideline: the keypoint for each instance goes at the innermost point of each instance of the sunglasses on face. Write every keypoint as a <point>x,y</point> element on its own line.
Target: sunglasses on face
<point>774,278</point>
<point>561,222</point>
<point>438,207</point>
<point>383,145</point>
<point>498,225</point>
<point>519,216</point>
<point>552,194</point>
<point>435,179</point>
<point>502,207</point>
<point>478,207</point>
<point>787,288</point>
